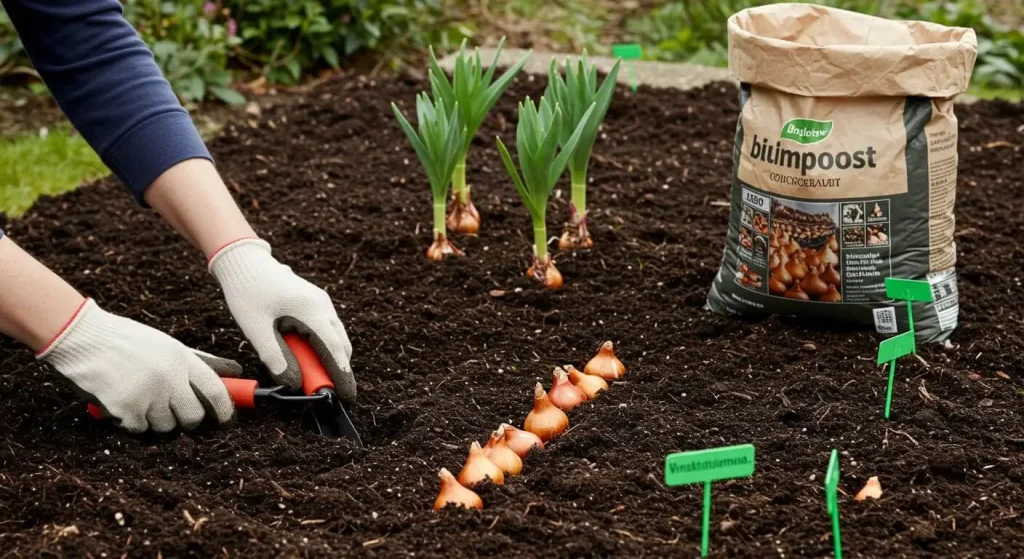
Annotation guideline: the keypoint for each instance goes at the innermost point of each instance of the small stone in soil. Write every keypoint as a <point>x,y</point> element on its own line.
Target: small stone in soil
<point>809,347</point>
<point>986,403</point>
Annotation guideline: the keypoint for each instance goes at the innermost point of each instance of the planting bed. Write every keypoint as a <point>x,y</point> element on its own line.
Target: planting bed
<point>447,351</point>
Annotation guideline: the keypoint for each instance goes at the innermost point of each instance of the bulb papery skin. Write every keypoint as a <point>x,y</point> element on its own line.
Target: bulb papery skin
<point>545,272</point>
<point>479,469</point>
<point>453,493</point>
<point>605,364</point>
<point>545,420</point>
<point>520,441</point>
<point>576,236</point>
<point>442,248</point>
<point>463,217</point>
<point>499,453</point>
<point>564,394</point>
<point>591,385</point>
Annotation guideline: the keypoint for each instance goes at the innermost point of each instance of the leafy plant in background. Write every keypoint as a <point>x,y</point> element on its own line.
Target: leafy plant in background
<point>192,42</point>
<point>284,38</point>
<point>1000,48</point>
<point>575,94</point>
<point>438,143</point>
<point>474,92</point>
<point>538,134</point>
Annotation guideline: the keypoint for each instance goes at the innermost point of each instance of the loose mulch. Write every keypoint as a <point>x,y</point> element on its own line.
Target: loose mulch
<point>447,351</point>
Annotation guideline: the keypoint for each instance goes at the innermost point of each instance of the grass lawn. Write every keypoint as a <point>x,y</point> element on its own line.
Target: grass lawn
<point>31,166</point>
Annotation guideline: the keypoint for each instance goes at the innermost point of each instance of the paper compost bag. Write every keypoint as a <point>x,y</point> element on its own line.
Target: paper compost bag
<point>844,166</point>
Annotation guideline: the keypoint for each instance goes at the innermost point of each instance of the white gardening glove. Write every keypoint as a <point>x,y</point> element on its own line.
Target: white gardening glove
<point>140,377</point>
<point>268,299</point>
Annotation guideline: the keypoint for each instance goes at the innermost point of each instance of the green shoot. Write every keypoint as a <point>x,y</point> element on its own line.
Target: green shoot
<point>537,141</point>
<point>474,91</point>
<point>437,142</point>
<point>575,94</point>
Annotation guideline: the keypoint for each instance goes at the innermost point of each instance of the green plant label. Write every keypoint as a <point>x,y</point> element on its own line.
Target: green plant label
<point>806,130</point>
<point>832,482</point>
<point>696,466</point>
<point>628,51</point>
<point>908,290</point>
<point>896,347</point>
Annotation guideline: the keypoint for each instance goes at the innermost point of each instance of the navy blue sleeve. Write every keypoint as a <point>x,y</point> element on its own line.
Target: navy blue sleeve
<point>107,83</point>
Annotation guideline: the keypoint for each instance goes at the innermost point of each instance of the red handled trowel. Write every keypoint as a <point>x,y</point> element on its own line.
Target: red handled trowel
<point>324,412</point>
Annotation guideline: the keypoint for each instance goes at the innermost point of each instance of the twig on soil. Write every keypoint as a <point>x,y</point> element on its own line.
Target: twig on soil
<point>528,507</point>
<point>923,362</point>
<point>742,396</point>
<point>905,435</point>
<point>667,542</point>
<point>281,490</point>
<point>355,258</point>
<point>785,400</point>
<point>828,409</point>
<point>312,521</point>
<point>494,523</point>
<point>373,542</point>
<point>627,534</point>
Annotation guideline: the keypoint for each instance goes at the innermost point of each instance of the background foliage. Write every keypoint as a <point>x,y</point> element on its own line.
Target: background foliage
<point>202,45</point>
<point>696,31</point>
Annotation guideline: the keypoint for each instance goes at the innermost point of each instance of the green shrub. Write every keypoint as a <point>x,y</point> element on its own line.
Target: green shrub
<point>695,31</point>
<point>192,42</point>
<point>284,38</point>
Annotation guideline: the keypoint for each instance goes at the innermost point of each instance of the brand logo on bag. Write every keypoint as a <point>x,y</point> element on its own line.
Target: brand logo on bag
<point>806,130</point>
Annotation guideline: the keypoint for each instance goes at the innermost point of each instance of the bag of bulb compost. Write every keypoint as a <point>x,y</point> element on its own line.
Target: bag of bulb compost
<point>844,166</point>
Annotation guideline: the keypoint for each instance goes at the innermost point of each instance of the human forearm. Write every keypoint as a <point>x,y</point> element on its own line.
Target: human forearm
<point>192,197</point>
<point>35,303</point>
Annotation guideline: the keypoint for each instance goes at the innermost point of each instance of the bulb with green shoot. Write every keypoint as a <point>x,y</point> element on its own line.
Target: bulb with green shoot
<point>438,141</point>
<point>475,91</point>
<point>575,93</point>
<point>541,162</point>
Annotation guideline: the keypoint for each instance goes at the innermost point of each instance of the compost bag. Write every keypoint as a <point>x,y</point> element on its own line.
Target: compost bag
<point>844,166</point>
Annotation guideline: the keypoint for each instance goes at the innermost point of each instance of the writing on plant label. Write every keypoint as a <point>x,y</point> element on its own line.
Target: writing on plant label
<point>712,464</point>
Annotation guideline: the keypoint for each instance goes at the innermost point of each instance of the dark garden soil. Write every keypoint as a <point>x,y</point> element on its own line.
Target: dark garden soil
<point>445,352</point>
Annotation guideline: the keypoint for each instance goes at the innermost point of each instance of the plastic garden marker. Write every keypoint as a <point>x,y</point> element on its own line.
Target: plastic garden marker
<point>705,466</point>
<point>904,344</point>
<point>831,500</point>
<point>629,51</point>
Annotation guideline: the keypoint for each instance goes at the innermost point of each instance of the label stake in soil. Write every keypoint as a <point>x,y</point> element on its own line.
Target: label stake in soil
<point>705,466</point>
<point>831,500</point>
<point>903,344</point>
<point>629,51</point>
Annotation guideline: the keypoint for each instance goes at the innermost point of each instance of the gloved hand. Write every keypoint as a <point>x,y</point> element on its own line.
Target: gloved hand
<point>268,299</point>
<point>141,377</point>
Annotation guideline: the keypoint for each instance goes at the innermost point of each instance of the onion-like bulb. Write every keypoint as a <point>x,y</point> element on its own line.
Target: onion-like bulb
<point>521,442</point>
<point>545,420</point>
<point>546,273</point>
<point>796,293</point>
<point>774,261</point>
<point>872,490</point>
<point>453,493</point>
<point>833,244</point>
<point>498,452</point>
<point>776,287</point>
<point>591,385</point>
<point>829,257</point>
<point>479,469</point>
<point>814,285</point>
<point>563,393</point>
<point>782,276</point>
<point>832,295</point>
<point>796,269</point>
<point>812,259</point>
<point>605,364</point>
<point>793,247</point>
<point>830,275</point>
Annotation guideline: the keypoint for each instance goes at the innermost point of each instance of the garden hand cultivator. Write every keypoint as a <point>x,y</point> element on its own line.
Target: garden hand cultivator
<point>324,414</point>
